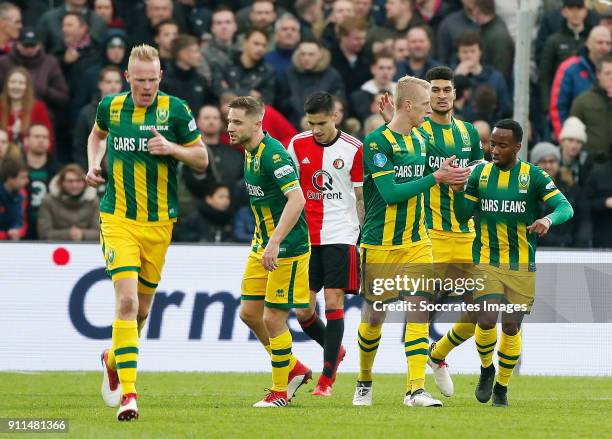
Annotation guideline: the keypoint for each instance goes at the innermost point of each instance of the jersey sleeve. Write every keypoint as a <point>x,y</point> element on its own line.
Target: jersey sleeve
<point>477,153</point>
<point>357,169</point>
<point>185,127</point>
<point>471,190</point>
<point>293,155</point>
<point>544,185</point>
<point>103,115</point>
<point>377,157</point>
<point>279,164</point>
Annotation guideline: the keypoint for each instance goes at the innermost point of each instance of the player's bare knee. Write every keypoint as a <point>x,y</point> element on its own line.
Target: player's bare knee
<point>249,317</point>
<point>304,314</point>
<point>127,306</point>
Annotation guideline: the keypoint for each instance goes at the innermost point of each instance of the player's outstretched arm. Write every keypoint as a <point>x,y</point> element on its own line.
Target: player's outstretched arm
<point>562,212</point>
<point>393,193</point>
<point>96,148</point>
<point>464,207</point>
<point>289,217</point>
<point>195,156</point>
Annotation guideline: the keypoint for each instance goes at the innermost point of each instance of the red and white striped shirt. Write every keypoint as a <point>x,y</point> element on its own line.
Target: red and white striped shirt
<point>328,174</point>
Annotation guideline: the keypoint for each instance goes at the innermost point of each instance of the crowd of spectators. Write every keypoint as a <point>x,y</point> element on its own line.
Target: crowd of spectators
<point>58,58</point>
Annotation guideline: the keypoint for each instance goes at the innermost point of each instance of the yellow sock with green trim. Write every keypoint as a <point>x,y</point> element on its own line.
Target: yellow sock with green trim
<point>508,355</point>
<point>461,331</point>
<point>416,345</point>
<point>486,339</point>
<point>125,348</point>
<point>281,360</point>
<point>368,339</point>
<point>268,350</point>
<point>292,359</point>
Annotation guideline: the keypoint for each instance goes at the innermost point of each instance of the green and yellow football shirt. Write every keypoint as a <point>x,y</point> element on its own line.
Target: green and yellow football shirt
<point>269,173</point>
<point>141,186</point>
<point>387,152</point>
<point>461,140</point>
<point>507,205</point>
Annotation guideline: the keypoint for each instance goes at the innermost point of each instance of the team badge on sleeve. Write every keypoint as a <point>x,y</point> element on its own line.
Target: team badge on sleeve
<point>380,159</point>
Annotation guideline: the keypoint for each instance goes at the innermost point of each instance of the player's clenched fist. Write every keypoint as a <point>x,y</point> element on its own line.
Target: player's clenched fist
<point>159,145</point>
<point>94,177</point>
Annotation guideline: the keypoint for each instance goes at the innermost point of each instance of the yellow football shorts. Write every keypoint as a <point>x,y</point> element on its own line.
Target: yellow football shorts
<point>507,286</point>
<point>286,287</point>
<point>452,254</point>
<point>134,250</point>
<point>381,269</point>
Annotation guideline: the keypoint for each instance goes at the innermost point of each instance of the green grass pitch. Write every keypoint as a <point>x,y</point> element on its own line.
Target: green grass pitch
<point>207,405</point>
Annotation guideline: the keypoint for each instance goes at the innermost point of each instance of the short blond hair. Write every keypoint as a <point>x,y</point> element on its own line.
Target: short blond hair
<point>144,52</point>
<point>406,89</point>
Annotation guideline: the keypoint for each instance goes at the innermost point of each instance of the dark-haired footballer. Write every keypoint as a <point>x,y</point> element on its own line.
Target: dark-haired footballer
<point>505,193</point>
<point>330,168</point>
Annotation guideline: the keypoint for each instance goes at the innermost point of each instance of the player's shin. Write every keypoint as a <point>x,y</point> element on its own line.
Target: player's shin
<point>281,360</point>
<point>486,339</point>
<point>508,353</point>
<point>333,339</point>
<point>125,351</point>
<point>416,344</point>
<point>461,331</point>
<point>368,340</point>
<point>314,327</point>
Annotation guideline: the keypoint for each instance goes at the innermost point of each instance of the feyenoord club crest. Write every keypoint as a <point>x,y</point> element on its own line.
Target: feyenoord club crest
<point>162,115</point>
<point>338,163</point>
<point>523,183</point>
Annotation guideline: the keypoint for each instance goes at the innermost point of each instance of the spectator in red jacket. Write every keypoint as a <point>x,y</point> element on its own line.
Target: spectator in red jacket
<point>105,9</point>
<point>19,109</point>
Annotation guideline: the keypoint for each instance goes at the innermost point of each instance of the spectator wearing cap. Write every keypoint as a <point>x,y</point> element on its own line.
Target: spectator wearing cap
<point>165,33</point>
<point>497,44</point>
<point>287,37</point>
<point>562,44</point>
<point>182,78</point>
<point>451,28</point>
<point>594,108</point>
<point>50,25</point>
<point>383,72</point>
<point>110,81</point>
<point>249,74</point>
<point>576,75</point>
<point>418,60</point>
<point>571,144</point>
<point>13,180</point>
<point>10,26</point>
<point>577,231</point>
<point>553,21</point>
<point>47,76</point>
<point>311,71</point>
<point>115,54</point>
